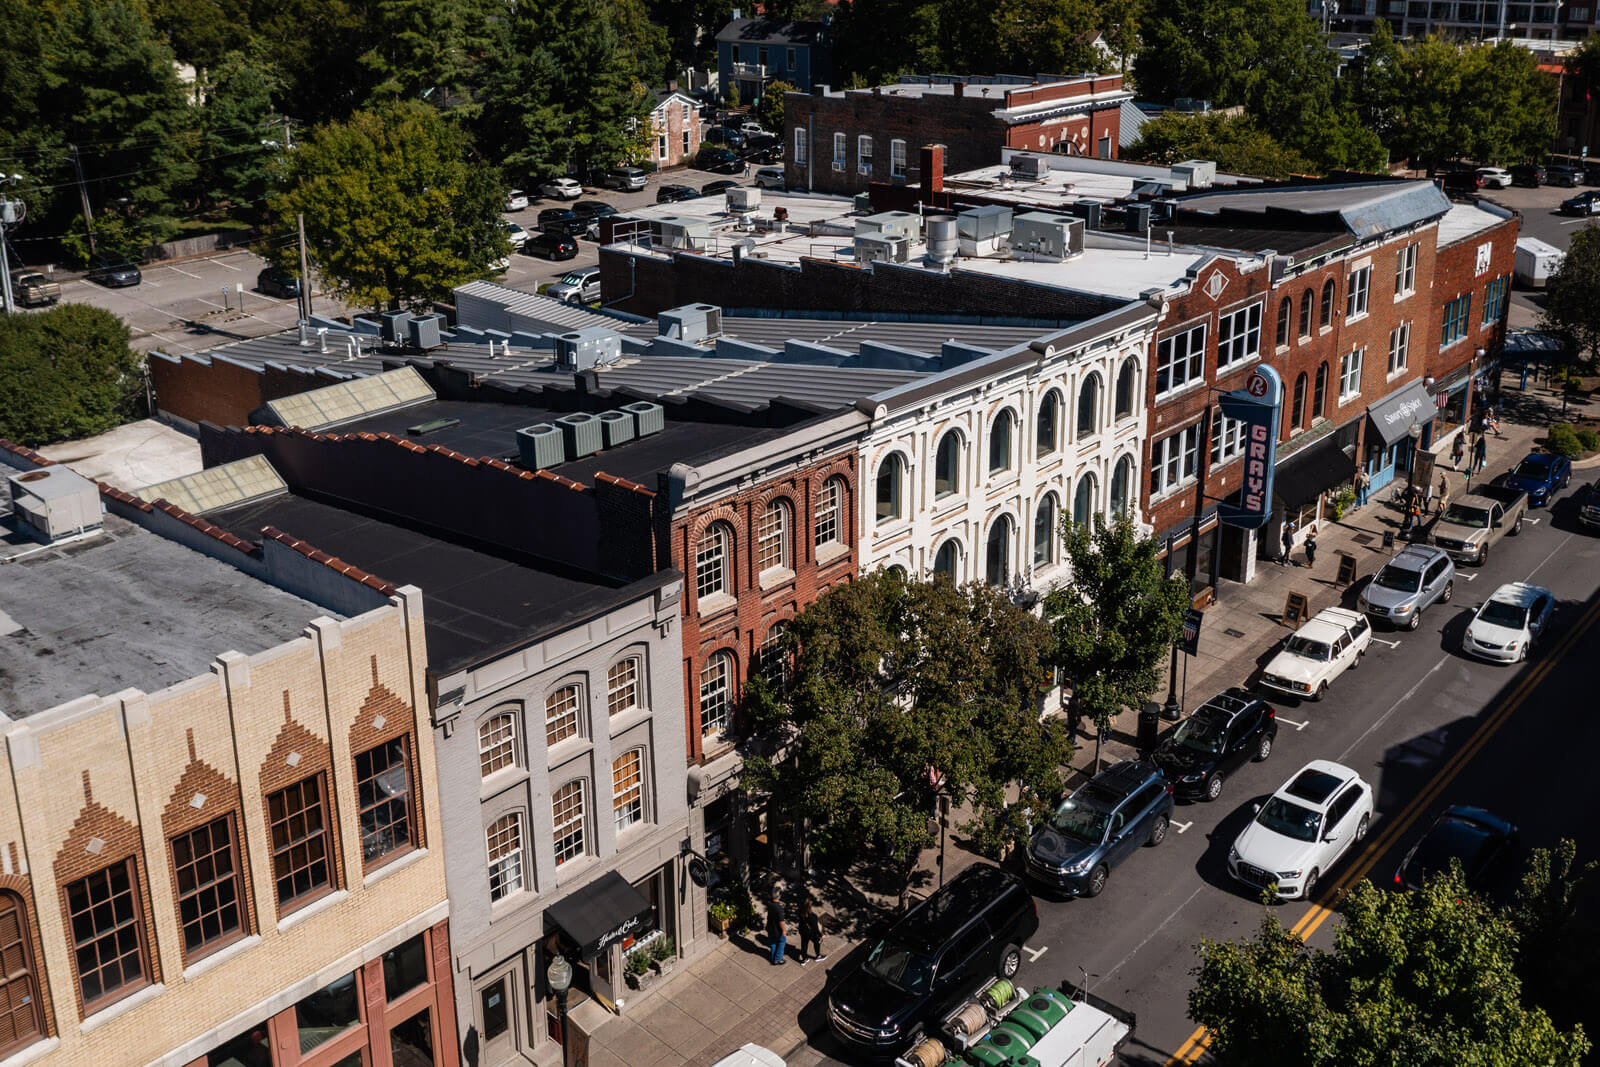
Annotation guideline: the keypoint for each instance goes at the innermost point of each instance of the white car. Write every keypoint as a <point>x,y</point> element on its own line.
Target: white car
<point>769,178</point>
<point>752,129</point>
<point>517,236</point>
<point>560,189</point>
<point>1302,830</point>
<point>1334,640</point>
<point>1495,177</point>
<point>516,200</point>
<point>1506,624</point>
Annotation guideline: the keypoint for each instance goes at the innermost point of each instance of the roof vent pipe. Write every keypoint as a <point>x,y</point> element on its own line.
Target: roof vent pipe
<point>322,339</point>
<point>1169,242</point>
<point>302,325</point>
<point>1147,230</point>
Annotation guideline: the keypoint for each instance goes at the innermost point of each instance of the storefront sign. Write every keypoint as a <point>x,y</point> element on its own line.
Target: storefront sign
<point>1257,405</point>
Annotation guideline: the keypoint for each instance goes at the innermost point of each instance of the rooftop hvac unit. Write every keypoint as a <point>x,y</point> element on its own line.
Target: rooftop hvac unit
<point>1136,218</point>
<point>540,446</point>
<point>943,240</point>
<point>55,502</point>
<point>580,433</point>
<point>870,249</point>
<point>904,224</point>
<point>1088,211</point>
<point>863,203</point>
<point>616,427</point>
<point>648,418</point>
<point>1196,173</point>
<point>1029,166</point>
<point>393,327</point>
<point>744,199</point>
<point>582,349</point>
<point>1044,234</point>
<point>692,323</point>
<point>678,231</point>
<point>424,330</point>
<point>982,230</point>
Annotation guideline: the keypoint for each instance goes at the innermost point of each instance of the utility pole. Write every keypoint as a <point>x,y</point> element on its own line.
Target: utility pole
<point>83,191</point>
<point>305,274</point>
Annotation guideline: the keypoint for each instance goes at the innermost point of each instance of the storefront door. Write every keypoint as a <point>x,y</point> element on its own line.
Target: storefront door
<point>502,1014</point>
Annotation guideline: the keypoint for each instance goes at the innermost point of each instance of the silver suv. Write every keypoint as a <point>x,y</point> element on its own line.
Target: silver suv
<point>1414,578</point>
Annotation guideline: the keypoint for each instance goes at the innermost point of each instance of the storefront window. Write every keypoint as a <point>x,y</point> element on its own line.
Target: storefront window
<point>411,1043</point>
<point>405,967</point>
<point>328,1012</point>
<point>249,1049</point>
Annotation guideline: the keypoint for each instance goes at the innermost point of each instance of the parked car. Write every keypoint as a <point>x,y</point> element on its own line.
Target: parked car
<point>32,289</point>
<point>1412,579</point>
<point>753,129</point>
<point>275,281</point>
<point>1591,174</point>
<point>1567,177</point>
<point>671,194</point>
<point>1541,475</point>
<point>1302,830</point>
<point>1477,840</point>
<point>1582,204</point>
<point>516,200</point>
<point>772,153</point>
<point>717,160</point>
<point>114,270</point>
<point>1472,524</point>
<point>1507,624</point>
<point>551,246</point>
<point>517,236</point>
<point>593,209</point>
<point>1333,641</point>
<point>1221,736</point>
<point>1127,805</point>
<point>560,189</point>
<point>718,187</point>
<point>722,135</point>
<point>1462,182</point>
<point>769,178</point>
<point>581,286</point>
<point>1589,506</point>
<point>628,179</point>
<point>758,141</point>
<point>561,220</point>
<point>965,935</point>
<point>1530,175</point>
<point>1495,177</point>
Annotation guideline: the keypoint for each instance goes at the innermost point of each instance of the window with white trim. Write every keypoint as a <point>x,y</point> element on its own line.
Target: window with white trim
<point>1405,271</point>
<point>685,142</point>
<point>504,841</point>
<point>1173,460</point>
<point>716,684</point>
<point>711,562</point>
<point>1350,374</point>
<point>622,686</point>
<point>1238,336</point>
<point>830,508</point>
<point>863,153</point>
<point>839,151</point>
<point>772,537</point>
<point>897,158</point>
<point>561,714</point>
<point>497,743</point>
<point>1355,297</point>
<point>1180,359</point>
<point>1399,347</point>
<point>800,145</point>
<point>1227,438</point>
<point>566,817</point>
<point>773,658</point>
<point>661,145</point>
<point>627,788</point>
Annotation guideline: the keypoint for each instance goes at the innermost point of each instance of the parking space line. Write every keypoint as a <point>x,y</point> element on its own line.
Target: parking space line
<point>1035,953</point>
<point>1392,644</point>
<point>219,262</point>
<point>1182,826</point>
<point>1469,577</point>
<point>185,273</point>
<point>1298,726</point>
<point>1530,522</point>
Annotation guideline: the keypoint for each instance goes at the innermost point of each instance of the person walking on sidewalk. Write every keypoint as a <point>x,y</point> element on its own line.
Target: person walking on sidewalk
<point>777,933</point>
<point>1444,493</point>
<point>1288,543</point>
<point>1311,546</point>
<point>1480,453</point>
<point>1363,484</point>
<point>1458,451</point>
<point>810,924</point>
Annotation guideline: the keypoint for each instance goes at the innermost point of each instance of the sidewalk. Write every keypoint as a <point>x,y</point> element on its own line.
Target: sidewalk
<point>732,995</point>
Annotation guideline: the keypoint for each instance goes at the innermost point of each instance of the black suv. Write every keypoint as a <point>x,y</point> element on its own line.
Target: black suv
<point>1530,175</point>
<point>562,220</point>
<point>1124,806</point>
<point>938,954</point>
<point>1223,734</point>
<point>275,281</point>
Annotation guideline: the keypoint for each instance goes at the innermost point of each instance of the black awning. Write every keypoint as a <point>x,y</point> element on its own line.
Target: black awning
<point>1393,415</point>
<point>606,910</point>
<point>1300,478</point>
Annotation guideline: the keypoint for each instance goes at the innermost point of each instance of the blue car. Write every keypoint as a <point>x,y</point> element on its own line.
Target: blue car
<point>1541,475</point>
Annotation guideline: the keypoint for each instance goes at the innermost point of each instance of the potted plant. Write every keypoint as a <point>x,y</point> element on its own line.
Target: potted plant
<point>720,916</point>
<point>639,975</point>
<point>663,954</point>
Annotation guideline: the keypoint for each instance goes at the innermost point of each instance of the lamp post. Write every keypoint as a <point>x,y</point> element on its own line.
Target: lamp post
<point>559,976</point>
<point>1414,431</point>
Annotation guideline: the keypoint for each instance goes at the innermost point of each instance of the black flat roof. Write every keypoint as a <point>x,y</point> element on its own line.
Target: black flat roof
<point>476,605</point>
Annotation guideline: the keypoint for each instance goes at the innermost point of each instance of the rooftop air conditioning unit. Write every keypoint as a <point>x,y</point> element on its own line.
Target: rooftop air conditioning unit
<point>540,446</point>
<point>1136,218</point>
<point>1044,234</point>
<point>586,348</point>
<point>424,331</point>
<point>55,502</point>
<point>1029,166</point>
<point>890,224</point>
<point>1088,211</point>
<point>871,249</point>
<point>863,203</point>
<point>581,434</point>
<point>692,323</point>
<point>393,328</point>
<point>744,199</point>
<point>648,418</point>
<point>616,427</point>
<point>1196,173</point>
<point>982,231</point>
<point>679,232</point>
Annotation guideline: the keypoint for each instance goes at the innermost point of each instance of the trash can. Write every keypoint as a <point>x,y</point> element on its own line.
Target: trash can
<point>1149,726</point>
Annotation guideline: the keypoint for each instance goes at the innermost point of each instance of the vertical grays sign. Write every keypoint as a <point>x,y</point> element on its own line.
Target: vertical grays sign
<point>1257,405</point>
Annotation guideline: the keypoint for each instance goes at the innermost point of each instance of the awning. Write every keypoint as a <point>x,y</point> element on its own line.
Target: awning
<point>1308,472</point>
<point>1393,415</point>
<point>606,910</point>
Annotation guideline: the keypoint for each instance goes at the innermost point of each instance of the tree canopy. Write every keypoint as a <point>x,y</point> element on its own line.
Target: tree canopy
<point>65,373</point>
<point>1571,306</point>
<point>1234,142</point>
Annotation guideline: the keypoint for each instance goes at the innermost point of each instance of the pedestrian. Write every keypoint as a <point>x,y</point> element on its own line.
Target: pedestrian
<point>747,168</point>
<point>777,932</point>
<point>1458,451</point>
<point>1288,543</point>
<point>1363,485</point>
<point>1444,492</point>
<point>1491,423</point>
<point>810,924</point>
<point>1480,453</point>
<point>1311,545</point>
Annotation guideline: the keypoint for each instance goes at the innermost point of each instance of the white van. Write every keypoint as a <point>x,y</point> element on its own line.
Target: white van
<point>1536,260</point>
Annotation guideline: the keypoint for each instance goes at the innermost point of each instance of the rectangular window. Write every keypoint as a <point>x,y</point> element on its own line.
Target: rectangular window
<point>789,58</point>
<point>1173,460</point>
<point>1494,299</point>
<point>863,154</point>
<point>1355,297</point>
<point>566,814</point>
<point>107,935</point>
<point>383,794</point>
<point>839,151</point>
<point>685,142</point>
<point>622,686</point>
<point>209,892</point>
<point>1456,314</point>
<point>661,146</point>
<point>497,744</point>
<point>897,159</point>
<point>1227,437</point>
<point>302,864</point>
<point>710,564</point>
<point>504,842</point>
<point>800,145</point>
<point>330,1011</point>
<point>1399,347</point>
<point>772,538</point>
<point>627,788</point>
<point>828,503</point>
<point>1405,273</point>
<point>404,968</point>
<point>1238,336</point>
<point>688,114</point>
<point>1350,374</point>
<point>561,714</point>
<point>1180,359</point>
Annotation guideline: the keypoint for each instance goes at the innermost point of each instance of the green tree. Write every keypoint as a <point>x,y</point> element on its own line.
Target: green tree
<point>1571,308</point>
<point>1046,35</point>
<point>66,373</point>
<point>900,691</point>
<point>1557,940</point>
<point>312,44</point>
<point>769,110</point>
<point>235,120</point>
<point>1115,619</point>
<point>200,32</point>
<point>1426,978</point>
<point>426,49</point>
<point>397,208</point>
<point>1234,142</point>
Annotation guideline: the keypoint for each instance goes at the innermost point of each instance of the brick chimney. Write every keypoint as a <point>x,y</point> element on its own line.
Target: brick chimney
<point>932,164</point>
<point>672,86</point>
<point>961,88</point>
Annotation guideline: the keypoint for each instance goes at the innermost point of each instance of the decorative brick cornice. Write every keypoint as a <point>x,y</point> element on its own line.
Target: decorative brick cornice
<point>622,483</point>
<point>23,452</point>
<point>316,555</point>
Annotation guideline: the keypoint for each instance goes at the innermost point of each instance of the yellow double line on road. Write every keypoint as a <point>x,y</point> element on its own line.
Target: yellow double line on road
<point>1199,1041</point>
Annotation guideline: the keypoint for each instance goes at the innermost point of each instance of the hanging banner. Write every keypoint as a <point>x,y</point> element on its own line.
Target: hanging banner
<point>1258,406</point>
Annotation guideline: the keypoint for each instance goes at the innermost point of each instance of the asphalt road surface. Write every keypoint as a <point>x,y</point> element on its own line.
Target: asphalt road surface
<point>1541,218</point>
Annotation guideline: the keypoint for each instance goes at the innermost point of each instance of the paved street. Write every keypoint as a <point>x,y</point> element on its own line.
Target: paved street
<point>1541,219</point>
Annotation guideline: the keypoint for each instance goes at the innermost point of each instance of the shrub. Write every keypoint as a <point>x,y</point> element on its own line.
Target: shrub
<point>1589,439</point>
<point>639,962</point>
<point>1563,440</point>
<point>662,948</point>
<point>723,912</point>
<point>66,373</point>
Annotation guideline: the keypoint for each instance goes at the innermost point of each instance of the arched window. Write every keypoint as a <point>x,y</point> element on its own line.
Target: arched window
<point>562,713</point>
<point>503,839</point>
<point>947,561</point>
<point>1048,436</point>
<point>773,658</point>
<point>711,561</point>
<point>1305,312</point>
<point>1127,378</point>
<point>22,1021</point>
<point>1319,396</point>
<point>997,552</point>
<point>627,788</point>
<point>567,819</point>
<point>624,685</point>
<point>1089,406</point>
<point>891,473</point>
<point>830,513</point>
<point>497,743</point>
<point>947,465</point>
<point>1121,482</point>
<point>1285,314</point>
<point>1000,442</point>
<point>1083,502</point>
<point>772,538</point>
<point>1325,316</point>
<point>716,694</point>
<point>1044,531</point>
<point>1297,413</point>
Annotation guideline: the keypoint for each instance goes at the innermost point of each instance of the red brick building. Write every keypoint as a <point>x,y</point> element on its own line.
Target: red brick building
<point>675,128</point>
<point>840,141</point>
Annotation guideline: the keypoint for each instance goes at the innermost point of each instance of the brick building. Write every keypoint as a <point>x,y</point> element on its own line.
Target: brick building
<point>239,862</point>
<point>675,125</point>
<point>842,141</point>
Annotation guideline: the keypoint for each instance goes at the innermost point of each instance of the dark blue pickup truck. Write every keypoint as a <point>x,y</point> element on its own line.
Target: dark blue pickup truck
<point>1541,475</point>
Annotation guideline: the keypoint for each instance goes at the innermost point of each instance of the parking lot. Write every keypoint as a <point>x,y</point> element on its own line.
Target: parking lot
<point>1541,218</point>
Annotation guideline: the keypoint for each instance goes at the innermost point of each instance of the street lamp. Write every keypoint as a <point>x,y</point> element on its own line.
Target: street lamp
<point>559,976</point>
<point>1414,431</point>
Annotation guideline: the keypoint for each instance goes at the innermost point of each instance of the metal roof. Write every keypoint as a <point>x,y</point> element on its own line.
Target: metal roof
<point>1366,209</point>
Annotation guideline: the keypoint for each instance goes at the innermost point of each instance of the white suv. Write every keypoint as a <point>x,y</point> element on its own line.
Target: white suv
<point>1302,830</point>
<point>1495,177</point>
<point>1321,650</point>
